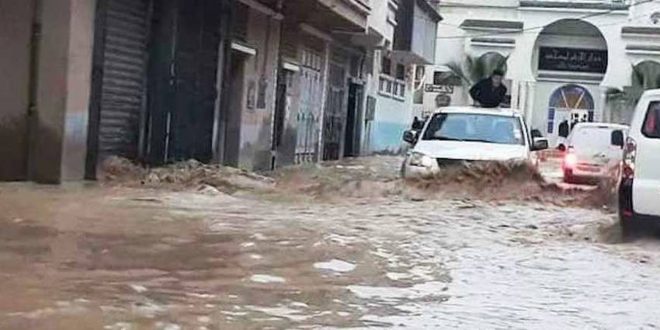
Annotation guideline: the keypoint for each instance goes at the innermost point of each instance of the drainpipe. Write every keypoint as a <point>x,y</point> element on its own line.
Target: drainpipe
<point>32,110</point>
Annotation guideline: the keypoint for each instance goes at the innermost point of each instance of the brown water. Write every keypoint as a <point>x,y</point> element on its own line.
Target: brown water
<point>88,257</point>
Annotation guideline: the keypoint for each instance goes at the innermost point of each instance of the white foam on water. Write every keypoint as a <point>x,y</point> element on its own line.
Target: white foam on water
<point>138,288</point>
<point>263,278</point>
<point>281,312</point>
<point>391,293</point>
<point>335,265</point>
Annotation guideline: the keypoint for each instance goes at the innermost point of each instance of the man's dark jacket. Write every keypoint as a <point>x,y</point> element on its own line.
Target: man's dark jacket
<point>487,95</point>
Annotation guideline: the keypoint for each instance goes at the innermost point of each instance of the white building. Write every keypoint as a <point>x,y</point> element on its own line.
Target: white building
<point>406,33</point>
<point>562,57</point>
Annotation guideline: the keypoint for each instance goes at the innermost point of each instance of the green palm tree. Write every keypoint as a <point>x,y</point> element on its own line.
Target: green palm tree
<point>475,68</point>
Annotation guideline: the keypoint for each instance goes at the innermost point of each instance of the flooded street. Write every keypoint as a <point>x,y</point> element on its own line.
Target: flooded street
<point>117,257</point>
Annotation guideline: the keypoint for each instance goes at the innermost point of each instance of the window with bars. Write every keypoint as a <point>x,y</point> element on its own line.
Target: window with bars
<point>392,84</point>
<point>386,66</point>
<point>400,72</point>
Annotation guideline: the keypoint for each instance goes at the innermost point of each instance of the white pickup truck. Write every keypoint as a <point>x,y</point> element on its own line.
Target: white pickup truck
<point>639,189</point>
<point>455,135</point>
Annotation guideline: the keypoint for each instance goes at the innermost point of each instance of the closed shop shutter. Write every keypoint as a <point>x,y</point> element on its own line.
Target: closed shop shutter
<point>124,67</point>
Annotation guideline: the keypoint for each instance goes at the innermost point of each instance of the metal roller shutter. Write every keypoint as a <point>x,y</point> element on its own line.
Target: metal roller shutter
<point>123,83</point>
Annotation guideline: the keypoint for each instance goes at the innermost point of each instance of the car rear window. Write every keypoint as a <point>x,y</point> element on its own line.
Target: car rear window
<point>593,138</point>
<point>651,126</point>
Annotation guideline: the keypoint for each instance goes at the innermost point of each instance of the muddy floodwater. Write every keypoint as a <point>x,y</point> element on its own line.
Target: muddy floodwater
<point>90,256</point>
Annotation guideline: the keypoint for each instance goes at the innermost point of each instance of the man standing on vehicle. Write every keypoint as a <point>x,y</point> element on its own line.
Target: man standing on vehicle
<point>489,92</point>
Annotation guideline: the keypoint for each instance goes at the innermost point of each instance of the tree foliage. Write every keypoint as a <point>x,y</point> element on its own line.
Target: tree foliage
<point>474,68</point>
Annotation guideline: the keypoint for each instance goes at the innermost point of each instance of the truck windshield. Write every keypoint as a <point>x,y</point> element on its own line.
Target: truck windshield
<point>474,128</point>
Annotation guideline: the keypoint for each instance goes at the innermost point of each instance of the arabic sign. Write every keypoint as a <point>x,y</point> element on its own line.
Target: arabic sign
<point>439,89</point>
<point>573,59</point>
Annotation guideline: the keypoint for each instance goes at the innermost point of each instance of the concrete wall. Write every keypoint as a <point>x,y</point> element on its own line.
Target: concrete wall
<point>15,33</point>
<point>79,80</point>
<point>392,117</point>
<point>424,36</point>
<point>64,79</point>
<point>383,19</point>
<point>256,126</point>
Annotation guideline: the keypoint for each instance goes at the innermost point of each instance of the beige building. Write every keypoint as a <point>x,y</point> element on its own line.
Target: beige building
<point>46,63</point>
<point>254,84</point>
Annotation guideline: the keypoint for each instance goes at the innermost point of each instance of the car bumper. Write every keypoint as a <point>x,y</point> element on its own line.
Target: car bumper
<point>409,171</point>
<point>627,212</point>
<point>586,174</point>
<point>418,171</point>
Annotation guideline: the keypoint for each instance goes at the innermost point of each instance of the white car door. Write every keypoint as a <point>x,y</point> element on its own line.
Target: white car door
<point>614,156</point>
<point>646,186</point>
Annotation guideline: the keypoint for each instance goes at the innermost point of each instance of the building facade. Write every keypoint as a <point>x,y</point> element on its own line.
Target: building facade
<point>563,59</point>
<point>254,84</point>
<point>409,41</point>
<point>46,60</point>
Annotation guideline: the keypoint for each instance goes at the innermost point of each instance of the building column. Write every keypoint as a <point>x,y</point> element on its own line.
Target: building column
<point>16,19</point>
<point>515,94</point>
<point>601,114</point>
<point>529,101</point>
<point>59,134</point>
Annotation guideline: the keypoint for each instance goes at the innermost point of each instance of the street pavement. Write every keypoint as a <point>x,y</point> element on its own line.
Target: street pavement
<point>91,256</point>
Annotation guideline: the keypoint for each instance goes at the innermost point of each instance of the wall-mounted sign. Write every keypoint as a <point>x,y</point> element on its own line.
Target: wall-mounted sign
<point>429,88</point>
<point>573,59</point>
<point>370,112</point>
<point>442,100</point>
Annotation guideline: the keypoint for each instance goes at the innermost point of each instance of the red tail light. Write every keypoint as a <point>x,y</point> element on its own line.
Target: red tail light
<point>629,156</point>
<point>570,161</point>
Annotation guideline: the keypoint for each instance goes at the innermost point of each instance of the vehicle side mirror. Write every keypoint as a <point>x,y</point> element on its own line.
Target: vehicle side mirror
<point>410,136</point>
<point>540,144</point>
<point>536,134</point>
<point>617,139</point>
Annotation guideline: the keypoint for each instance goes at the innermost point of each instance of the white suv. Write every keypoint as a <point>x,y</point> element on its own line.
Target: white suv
<point>594,152</point>
<point>639,190</point>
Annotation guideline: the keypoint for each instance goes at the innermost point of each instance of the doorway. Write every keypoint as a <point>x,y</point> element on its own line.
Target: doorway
<point>353,121</point>
<point>568,105</point>
<point>195,72</point>
<point>233,114</point>
<point>280,117</point>
<point>309,111</point>
<point>333,119</point>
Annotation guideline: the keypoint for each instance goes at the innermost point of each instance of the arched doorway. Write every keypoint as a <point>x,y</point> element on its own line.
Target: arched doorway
<point>568,105</point>
<point>570,61</point>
